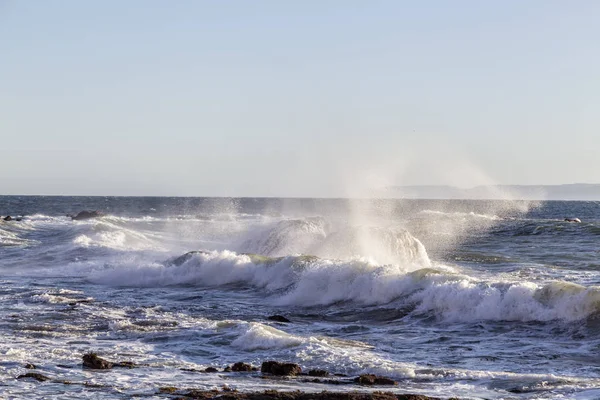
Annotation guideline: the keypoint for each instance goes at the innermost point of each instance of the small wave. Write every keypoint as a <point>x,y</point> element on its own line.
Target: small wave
<point>256,336</point>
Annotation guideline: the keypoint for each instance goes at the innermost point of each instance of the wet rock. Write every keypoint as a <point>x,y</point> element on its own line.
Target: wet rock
<point>371,379</point>
<point>329,381</point>
<point>167,390</point>
<point>278,318</point>
<point>64,366</point>
<point>281,369</point>
<point>91,360</point>
<point>318,372</point>
<point>125,364</point>
<point>241,367</point>
<point>8,218</point>
<point>30,366</point>
<point>227,369</point>
<point>211,370</point>
<point>227,394</point>
<point>34,375</point>
<point>86,215</point>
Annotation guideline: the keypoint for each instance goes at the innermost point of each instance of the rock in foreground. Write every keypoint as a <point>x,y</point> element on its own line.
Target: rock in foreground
<point>281,369</point>
<point>276,395</point>
<point>370,379</point>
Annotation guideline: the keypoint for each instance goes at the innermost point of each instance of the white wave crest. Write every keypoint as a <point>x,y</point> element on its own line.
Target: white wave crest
<point>316,236</point>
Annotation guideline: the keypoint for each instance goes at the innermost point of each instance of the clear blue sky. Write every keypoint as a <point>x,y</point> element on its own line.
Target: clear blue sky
<point>303,98</point>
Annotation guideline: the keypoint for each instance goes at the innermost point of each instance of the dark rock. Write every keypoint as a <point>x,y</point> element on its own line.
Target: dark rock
<point>86,215</point>
<point>228,394</point>
<point>125,364</point>
<point>371,379</point>
<point>318,372</point>
<point>91,360</point>
<point>64,366</point>
<point>281,369</point>
<point>278,318</point>
<point>211,369</point>
<point>241,367</point>
<point>227,369</point>
<point>8,218</point>
<point>34,375</point>
<point>167,390</point>
<point>30,366</point>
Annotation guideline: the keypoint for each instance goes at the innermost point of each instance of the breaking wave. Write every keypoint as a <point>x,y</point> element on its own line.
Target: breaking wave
<point>438,291</point>
<point>317,236</point>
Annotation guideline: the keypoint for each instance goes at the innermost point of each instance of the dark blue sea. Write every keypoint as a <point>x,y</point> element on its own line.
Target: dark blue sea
<point>472,299</point>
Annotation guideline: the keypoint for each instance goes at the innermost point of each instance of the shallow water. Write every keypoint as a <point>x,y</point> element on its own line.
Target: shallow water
<point>477,299</point>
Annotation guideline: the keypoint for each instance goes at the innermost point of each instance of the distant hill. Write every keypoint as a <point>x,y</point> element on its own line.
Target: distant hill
<point>575,191</point>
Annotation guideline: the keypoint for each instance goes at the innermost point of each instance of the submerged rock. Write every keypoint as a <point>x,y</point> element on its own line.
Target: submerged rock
<point>281,369</point>
<point>91,360</point>
<point>371,379</point>
<point>125,364</point>
<point>278,318</point>
<point>572,220</point>
<point>38,377</point>
<point>30,366</point>
<point>167,390</point>
<point>318,372</point>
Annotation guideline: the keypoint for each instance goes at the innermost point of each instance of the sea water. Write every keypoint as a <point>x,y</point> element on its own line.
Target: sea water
<point>473,299</point>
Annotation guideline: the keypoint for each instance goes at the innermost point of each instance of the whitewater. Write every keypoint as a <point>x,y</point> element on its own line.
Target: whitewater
<point>468,299</point>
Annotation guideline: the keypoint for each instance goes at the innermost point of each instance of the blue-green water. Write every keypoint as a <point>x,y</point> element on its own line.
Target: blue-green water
<point>477,299</point>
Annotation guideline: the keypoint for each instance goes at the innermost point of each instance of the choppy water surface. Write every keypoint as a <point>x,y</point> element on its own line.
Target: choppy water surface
<point>460,298</point>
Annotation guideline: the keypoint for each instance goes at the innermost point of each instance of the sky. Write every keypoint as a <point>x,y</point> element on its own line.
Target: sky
<point>295,98</point>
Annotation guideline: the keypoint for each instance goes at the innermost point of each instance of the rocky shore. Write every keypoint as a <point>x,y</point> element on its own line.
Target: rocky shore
<point>274,370</point>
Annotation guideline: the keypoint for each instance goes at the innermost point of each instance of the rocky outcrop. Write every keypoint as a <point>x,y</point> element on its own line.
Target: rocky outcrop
<point>280,369</point>
<point>86,215</point>
<point>92,361</point>
<point>242,367</point>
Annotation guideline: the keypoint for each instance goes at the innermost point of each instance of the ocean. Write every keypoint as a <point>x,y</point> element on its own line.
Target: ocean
<point>471,299</point>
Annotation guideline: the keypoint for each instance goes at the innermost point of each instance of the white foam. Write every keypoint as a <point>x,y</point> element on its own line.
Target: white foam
<point>255,336</point>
